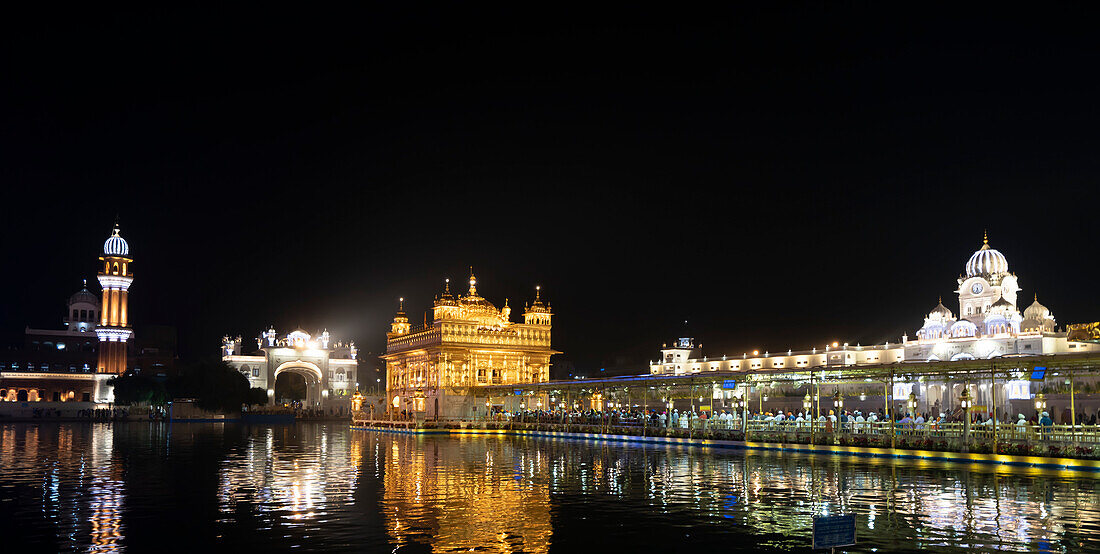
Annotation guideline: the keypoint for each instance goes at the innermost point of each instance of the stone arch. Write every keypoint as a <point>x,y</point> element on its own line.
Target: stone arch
<point>962,356</point>
<point>312,375</point>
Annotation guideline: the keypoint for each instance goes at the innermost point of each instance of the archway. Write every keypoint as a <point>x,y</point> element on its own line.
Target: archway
<point>290,387</point>
<point>302,378</point>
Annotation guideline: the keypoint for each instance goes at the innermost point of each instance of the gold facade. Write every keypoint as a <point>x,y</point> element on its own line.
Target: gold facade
<point>469,343</point>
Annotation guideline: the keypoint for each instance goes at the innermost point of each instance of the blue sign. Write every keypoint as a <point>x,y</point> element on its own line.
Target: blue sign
<point>729,384</point>
<point>834,531</point>
<point>1038,373</point>
<point>517,391</point>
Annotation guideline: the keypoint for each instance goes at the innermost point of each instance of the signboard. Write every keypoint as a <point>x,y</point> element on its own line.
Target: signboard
<point>834,531</point>
<point>729,384</point>
<point>706,408</point>
<point>518,392</point>
<point>1038,373</point>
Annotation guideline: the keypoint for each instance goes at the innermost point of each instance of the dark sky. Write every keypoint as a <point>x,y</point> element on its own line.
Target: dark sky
<point>780,179</point>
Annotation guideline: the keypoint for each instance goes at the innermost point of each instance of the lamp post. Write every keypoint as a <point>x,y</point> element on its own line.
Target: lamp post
<point>965,402</point>
<point>807,405</point>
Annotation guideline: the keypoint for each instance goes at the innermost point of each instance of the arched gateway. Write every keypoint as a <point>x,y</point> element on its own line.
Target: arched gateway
<point>328,367</point>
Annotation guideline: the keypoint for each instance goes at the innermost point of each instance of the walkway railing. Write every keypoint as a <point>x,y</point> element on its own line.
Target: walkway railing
<point>1080,441</point>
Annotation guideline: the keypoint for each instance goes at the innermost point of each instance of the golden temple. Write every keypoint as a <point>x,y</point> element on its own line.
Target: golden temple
<point>469,343</point>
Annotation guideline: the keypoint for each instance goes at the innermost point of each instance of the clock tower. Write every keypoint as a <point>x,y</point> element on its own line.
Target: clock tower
<point>986,284</point>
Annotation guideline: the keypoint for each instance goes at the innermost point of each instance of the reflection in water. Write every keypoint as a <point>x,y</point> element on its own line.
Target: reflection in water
<point>276,476</point>
<point>466,493</point>
<point>316,487</point>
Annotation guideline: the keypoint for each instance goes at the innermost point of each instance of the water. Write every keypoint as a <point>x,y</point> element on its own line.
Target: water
<point>323,487</point>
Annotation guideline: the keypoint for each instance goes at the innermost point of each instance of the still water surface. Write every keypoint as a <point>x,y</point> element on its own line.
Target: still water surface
<point>313,487</point>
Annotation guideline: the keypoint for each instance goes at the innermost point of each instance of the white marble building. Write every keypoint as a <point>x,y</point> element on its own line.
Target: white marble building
<point>328,367</point>
<point>989,324</point>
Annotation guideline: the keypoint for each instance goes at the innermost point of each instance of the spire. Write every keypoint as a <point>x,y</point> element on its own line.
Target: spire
<point>447,287</point>
<point>985,239</point>
<point>473,282</point>
<point>537,289</point>
<point>401,305</point>
<point>85,284</point>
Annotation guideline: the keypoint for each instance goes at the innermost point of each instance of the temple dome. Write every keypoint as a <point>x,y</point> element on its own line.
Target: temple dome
<point>986,261</point>
<point>1037,311</point>
<point>940,312</point>
<point>116,245</point>
<point>84,296</point>
<point>1002,305</point>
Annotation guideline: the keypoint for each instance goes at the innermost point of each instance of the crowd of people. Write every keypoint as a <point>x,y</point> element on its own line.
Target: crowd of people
<point>854,421</point>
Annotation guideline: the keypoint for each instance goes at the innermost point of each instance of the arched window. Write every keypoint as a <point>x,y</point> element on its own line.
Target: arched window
<point>116,268</point>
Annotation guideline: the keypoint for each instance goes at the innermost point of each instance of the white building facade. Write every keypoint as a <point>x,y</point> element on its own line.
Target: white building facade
<point>328,367</point>
<point>989,324</point>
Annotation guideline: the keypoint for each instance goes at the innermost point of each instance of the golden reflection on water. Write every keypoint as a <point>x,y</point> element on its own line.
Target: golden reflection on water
<point>456,498</point>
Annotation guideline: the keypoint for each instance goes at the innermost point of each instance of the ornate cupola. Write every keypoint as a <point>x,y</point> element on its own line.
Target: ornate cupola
<point>400,324</point>
<point>1037,318</point>
<point>446,307</point>
<point>537,313</point>
<point>115,276</point>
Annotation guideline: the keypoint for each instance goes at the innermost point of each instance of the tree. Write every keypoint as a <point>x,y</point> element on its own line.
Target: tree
<point>215,386</point>
<point>257,396</point>
<point>138,389</point>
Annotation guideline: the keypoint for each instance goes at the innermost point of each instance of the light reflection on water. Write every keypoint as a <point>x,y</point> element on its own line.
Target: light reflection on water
<point>105,488</point>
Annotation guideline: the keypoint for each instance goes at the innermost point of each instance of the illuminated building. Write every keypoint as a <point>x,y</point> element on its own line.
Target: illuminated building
<point>328,367</point>
<point>990,325</point>
<point>114,326</point>
<point>433,370</point>
<point>74,364</point>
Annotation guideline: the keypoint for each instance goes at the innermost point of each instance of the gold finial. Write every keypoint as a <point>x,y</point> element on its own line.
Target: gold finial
<point>473,282</point>
<point>941,299</point>
<point>446,286</point>
<point>537,289</point>
<point>985,236</point>
<point>401,305</point>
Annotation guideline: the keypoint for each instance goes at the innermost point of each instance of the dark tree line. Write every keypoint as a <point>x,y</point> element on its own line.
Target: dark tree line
<point>214,385</point>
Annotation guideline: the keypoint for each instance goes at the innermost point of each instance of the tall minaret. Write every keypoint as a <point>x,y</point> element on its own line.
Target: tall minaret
<point>115,276</point>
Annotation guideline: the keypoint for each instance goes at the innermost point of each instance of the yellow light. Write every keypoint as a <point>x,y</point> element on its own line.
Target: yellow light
<point>755,352</point>
<point>835,344</point>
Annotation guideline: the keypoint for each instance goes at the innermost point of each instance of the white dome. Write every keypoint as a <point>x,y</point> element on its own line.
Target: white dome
<point>116,245</point>
<point>986,261</point>
<point>940,312</point>
<point>1037,311</point>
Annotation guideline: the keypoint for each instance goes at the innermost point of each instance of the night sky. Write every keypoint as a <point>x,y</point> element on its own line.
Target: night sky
<point>779,179</point>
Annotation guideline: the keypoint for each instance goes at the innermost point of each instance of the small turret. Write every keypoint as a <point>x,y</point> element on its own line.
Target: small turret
<point>400,324</point>
<point>537,313</point>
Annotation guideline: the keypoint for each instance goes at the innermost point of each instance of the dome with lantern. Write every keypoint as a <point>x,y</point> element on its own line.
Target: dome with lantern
<point>84,296</point>
<point>475,308</point>
<point>116,245</point>
<point>986,261</point>
<point>1037,318</point>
